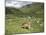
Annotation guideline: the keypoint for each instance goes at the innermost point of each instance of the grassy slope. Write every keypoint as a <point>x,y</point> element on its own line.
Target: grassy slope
<point>15,17</point>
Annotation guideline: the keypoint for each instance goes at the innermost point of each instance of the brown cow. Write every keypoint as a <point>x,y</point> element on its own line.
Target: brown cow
<point>27,25</point>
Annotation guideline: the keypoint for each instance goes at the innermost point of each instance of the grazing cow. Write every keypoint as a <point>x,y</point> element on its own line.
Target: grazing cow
<point>27,25</point>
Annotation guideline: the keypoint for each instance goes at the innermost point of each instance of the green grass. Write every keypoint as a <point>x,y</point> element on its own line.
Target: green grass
<point>14,25</point>
<point>15,18</point>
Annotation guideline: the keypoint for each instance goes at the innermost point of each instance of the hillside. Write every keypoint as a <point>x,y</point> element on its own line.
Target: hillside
<point>33,10</point>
